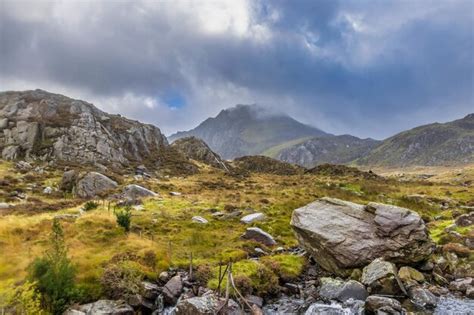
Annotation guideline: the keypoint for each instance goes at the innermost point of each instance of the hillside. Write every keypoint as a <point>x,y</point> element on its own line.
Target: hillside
<point>450,143</point>
<point>332,149</point>
<point>247,130</point>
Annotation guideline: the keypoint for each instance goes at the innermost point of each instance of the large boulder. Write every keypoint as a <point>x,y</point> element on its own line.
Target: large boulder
<point>94,184</point>
<point>342,235</point>
<point>136,192</point>
<point>108,307</point>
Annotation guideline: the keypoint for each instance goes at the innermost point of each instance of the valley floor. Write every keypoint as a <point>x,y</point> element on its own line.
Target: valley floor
<point>163,225</point>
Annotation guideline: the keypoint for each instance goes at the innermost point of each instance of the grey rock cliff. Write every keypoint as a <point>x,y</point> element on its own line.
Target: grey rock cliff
<point>41,125</point>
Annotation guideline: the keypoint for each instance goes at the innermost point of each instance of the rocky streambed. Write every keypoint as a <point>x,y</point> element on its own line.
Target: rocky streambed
<point>362,259</point>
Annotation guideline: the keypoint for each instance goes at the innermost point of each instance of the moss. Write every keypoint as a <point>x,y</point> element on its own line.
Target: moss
<point>261,279</point>
<point>286,267</point>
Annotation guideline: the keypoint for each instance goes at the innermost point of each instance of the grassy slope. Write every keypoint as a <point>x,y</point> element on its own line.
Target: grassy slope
<point>165,225</point>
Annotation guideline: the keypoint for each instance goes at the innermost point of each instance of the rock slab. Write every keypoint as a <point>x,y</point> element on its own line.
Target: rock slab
<point>342,235</point>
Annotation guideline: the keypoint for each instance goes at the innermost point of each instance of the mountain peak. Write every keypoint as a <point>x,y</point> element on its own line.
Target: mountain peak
<point>248,129</point>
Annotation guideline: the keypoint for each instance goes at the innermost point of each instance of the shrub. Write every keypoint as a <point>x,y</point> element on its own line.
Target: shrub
<point>149,259</point>
<point>90,205</point>
<point>121,280</point>
<point>203,273</point>
<point>55,274</point>
<point>22,299</point>
<point>124,218</point>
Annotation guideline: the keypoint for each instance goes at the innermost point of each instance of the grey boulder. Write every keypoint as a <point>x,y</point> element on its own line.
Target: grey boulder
<point>258,235</point>
<point>382,305</point>
<point>381,277</point>
<point>135,192</point>
<point>94,184</point>
<point>172,290</point>
<point>342,235</point>
<point>336,289</point>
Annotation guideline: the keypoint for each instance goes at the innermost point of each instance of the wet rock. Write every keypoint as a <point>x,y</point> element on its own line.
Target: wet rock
<point>470,292</point>
<point>427,266</point>
<point>381,277</point>
<point>461,285</point>
<point>352,235</point>
<point>134,192</point>
<point>93,184</point>
<point>325,309</point>
<point>336,289</point>
<point>199,219</point>
<point>204,305</point>
<point>108,307</point>
<point>258,235</point>
<point>149,290</point>
<point>164,276</point>
<point>252,218</point>
<point>465,219</point>
<point>380,304</point>
<point>422,297</point>
<point>172,290</point>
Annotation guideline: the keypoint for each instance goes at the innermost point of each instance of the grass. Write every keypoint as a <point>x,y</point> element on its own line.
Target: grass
<point>164,226</point>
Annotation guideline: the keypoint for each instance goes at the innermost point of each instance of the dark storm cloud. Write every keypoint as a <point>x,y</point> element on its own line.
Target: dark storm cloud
<point>363,67</point>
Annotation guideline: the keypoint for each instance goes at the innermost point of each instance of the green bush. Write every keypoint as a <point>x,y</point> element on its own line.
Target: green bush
<point>90,205</point>
<point>54,274</point>
<point>124,218</point>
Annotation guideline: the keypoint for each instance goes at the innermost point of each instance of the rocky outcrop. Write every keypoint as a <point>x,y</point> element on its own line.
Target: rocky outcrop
<point>342,235</point>
<point>196,149</point>
<point>45,126</point>
<point>94,184</point>
<point>265,165</point>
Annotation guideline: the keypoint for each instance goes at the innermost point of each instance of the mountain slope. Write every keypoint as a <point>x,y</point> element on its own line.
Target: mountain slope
<point>46,126</point>
<point>247,130</point>
<point>331,149</point>
<point>434,144</point>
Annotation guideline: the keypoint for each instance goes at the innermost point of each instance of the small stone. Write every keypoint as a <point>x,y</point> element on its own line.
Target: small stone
<point>374,303</point>
<point>461,285</point>
<point>164,276</point>
<point>175,193</point>
<point>410,276</point>
<point>4,205</point>
<point>465,219</point>
<point>252,218</point>
<point>254,300</point>
<point>200,220</point>
<point>47,190</point>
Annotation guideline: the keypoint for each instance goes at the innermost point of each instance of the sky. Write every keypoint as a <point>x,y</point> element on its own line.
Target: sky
<point>366,68</point>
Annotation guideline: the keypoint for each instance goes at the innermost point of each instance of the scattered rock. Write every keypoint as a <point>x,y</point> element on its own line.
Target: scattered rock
<point>47,190</point>
<point>68,181</point>
<point>465,219</point>
<point>172,290</point>
<point>336,289</point>
<point>352,235</point>
<point>23,166</point>
<point>108,307</point>
<point>381,277</point>
<point>422,297</point>
<point>149,290</point>
<point>461,285</point>
<point>259,235</point>
<point>164,276</point>
<point>382,305</point>
<point>134,192</point>
<point>207,304</point>
<point>253,217</point>
<point>4,205</point>
<point>175,193</point>
<point>66,216</point>
<point>410,276</point>
<point>200,220</point>
<point>93,184</point>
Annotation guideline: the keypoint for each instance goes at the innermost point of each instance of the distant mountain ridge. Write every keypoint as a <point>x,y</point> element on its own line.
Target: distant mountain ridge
<point>248,130</point>
<point>450,143</point>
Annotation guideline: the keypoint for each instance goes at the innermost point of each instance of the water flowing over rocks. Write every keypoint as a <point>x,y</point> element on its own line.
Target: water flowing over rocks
<point>108,307</point>
<point>342,235</point>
